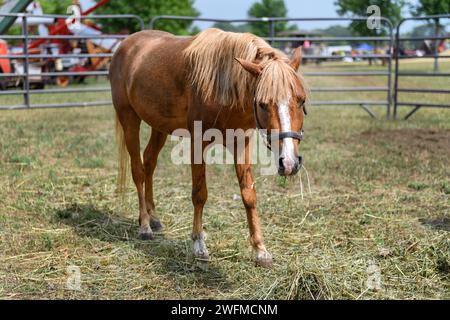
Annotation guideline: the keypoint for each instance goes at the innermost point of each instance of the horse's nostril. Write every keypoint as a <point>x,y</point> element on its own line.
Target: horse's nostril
<point>280,163</point>
<point>300,161</point>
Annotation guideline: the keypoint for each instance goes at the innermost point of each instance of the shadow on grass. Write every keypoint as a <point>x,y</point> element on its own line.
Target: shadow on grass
<point>440,223</point>
<point>91,222</point>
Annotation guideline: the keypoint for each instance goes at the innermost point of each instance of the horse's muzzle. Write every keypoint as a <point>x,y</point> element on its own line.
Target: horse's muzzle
<point>287,167</point>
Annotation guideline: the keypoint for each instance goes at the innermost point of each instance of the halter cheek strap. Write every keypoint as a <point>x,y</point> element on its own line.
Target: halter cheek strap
<point>279,136</point>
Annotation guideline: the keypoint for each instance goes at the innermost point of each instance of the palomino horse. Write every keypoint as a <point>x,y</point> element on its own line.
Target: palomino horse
<point>169,83</point>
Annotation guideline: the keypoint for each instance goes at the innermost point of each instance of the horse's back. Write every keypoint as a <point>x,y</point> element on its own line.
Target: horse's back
<point>132,50</point>
<point>147,73</point>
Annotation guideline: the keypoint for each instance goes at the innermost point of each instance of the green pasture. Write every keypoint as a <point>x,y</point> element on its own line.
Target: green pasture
<point>379,207</point>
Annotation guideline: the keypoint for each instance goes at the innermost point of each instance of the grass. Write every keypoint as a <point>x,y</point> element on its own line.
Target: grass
<point>380,197</point>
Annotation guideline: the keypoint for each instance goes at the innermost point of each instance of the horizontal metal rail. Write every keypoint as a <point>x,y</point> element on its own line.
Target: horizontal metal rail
<point>325,39</point>
<point>424,74</point>
<point>11,92</point>
<point>423,104</point>
<point>58,105</point>
<point>424,38</point>
<point>52,56</point>
<point>424,56</point>
<point>349,89</point>
<point>349,102</point>
<point>346,73</point>
<point>357,56</point>
<point>417,90</point>
<point>64,37</point>
<point>47,91</point>
<point>55,74</point>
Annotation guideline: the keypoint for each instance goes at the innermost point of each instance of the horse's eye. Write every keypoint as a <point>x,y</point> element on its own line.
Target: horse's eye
<point>263,106</point>
<point>302,106</point>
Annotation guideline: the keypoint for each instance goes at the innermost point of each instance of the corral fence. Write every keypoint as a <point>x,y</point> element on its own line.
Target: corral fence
<point>30,77</point>
<point>399,40</point>
<point>388,54</point>
<point>275,40</point>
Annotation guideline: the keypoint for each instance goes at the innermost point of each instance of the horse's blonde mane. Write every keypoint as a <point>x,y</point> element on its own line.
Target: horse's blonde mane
<point>219,78</point>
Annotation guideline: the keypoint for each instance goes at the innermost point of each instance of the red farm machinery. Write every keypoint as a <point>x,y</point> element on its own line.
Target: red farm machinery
<point>51,45</point>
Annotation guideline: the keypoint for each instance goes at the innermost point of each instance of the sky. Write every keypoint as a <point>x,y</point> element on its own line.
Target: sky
<point>228,9</point>
<point>296,8</point>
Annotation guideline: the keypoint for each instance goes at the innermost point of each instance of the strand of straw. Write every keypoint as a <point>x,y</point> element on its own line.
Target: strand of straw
<point>307,178</point>
<point>301,184</point>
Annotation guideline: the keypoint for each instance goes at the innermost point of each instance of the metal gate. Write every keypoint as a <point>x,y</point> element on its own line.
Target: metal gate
<point>389,89</point>
<point>24,79</point>
<point>416,105</point>
<point>273,40</point>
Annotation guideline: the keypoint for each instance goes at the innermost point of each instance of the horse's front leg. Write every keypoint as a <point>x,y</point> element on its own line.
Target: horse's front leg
<point>248,192</point>
<point>199,197</point>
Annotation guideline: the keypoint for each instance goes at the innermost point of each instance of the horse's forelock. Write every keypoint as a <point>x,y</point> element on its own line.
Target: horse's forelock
<point>218,77</point>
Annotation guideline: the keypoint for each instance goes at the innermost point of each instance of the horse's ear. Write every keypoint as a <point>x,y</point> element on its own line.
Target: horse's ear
<point>296,59</point>
<point>253,68</point>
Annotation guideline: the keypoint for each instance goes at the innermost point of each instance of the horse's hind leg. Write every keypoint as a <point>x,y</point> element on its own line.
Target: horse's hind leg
<point>157,140</point>
<point>131,123</point>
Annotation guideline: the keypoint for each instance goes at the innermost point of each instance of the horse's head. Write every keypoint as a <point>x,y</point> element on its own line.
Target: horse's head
<point>279,103</point>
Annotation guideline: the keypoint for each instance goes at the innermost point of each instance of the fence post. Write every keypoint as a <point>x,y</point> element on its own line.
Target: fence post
<point>271,30</point>
<point>26,61</point>
<point>436,44</point>
<point>389,97</point>
<point>396,55</point>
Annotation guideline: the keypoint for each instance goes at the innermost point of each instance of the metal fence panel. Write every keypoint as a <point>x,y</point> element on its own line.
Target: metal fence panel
<point>392,56</point>
<point>398,74</point>
<point>272,38</point>
<point>35,40</point>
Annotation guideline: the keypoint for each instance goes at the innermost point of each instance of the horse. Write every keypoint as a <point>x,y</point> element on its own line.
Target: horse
<point>225,80</point>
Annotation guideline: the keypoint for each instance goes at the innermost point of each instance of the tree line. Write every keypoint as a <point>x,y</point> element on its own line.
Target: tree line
<point>146,9</point>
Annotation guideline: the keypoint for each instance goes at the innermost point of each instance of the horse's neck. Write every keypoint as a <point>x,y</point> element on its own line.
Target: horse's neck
<point>243,117</point>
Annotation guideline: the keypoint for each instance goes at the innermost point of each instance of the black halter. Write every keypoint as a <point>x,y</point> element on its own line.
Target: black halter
<point>279,136</point>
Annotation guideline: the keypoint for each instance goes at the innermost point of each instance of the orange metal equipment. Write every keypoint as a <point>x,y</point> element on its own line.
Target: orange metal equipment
<point>5,65</point>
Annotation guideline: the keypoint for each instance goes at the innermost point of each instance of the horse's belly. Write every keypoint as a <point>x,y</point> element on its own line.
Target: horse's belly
<point>164,114</point>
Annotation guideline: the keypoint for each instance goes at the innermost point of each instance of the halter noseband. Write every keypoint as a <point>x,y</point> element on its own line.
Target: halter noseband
<point>279,136</point>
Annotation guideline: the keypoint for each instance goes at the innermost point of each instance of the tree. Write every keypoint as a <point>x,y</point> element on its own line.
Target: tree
<point>337,31</point>
<point>55,7</point>
<point>269,8</point>
<point>226,26</point>
<point>433,7</point>
<point>391,9</point>
<point>147,9</point>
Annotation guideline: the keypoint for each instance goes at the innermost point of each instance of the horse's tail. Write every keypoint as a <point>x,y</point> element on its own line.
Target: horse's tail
<point>123,160</point>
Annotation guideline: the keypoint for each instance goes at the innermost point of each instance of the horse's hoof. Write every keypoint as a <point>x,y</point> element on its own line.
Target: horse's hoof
<point>201,256</point>
<point>202,260</point>
<point>156,225</point>
<point>264,259</point>
<point>146,234</point>
<point>199,249</point>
